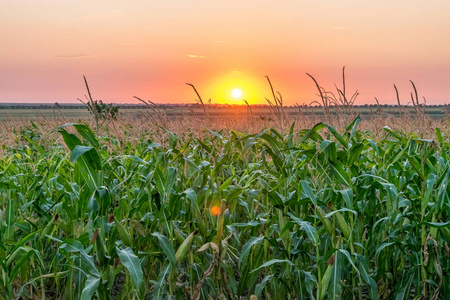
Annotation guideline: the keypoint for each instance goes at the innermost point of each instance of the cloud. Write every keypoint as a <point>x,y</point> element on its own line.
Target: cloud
<point>195,56</point>
<point>72,56</point>
<point>218,41</point>
<point>130,44</point>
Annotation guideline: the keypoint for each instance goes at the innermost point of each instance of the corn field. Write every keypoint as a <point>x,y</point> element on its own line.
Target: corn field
<point>311,214</point>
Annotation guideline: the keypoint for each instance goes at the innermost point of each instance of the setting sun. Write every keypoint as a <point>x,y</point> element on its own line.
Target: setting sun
<point>232,87</point>
<point>236,93</point>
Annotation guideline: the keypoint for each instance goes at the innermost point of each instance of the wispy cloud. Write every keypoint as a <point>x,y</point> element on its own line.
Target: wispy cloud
<point>71,56</point>
<point>218,41</point>
<point>130,44</point>
<point>195,56</point>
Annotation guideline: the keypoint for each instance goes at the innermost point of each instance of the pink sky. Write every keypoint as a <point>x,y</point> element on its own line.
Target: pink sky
<point>151,49</point>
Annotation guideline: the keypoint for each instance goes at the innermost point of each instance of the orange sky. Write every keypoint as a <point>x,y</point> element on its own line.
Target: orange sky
<point>151,49</point>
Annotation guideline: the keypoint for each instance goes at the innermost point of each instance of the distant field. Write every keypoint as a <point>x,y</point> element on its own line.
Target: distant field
<point>73,114</point>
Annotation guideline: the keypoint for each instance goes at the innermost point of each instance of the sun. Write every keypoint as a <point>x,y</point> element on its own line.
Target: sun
<point>233,87</point>
<point>236,93</point>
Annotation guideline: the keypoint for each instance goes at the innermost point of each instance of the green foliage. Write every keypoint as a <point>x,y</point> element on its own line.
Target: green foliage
<point>100,111</point>
<point>315,214</point>
<point>103,111</point>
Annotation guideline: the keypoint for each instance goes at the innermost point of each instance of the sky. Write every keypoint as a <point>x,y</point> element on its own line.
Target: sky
<point>150,49</point>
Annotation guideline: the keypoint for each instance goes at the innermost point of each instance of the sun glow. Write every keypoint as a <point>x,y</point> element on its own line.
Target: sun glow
<point>234,87</point>
<point>236,93</point>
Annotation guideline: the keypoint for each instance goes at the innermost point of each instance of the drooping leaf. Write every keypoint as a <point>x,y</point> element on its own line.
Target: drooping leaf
<point>133,265</point>
<point>90,287</point>
<point>247,247</point>
<point>274,261</point>
<point>166,247</point>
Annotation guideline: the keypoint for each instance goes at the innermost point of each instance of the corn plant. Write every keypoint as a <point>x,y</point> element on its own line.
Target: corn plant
<point>312,214</point>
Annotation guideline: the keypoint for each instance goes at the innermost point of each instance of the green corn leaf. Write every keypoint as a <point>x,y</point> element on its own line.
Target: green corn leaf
<point>364,270</point>
<point>403,289</point>
<point>290,136</point>
<point>133,265</point>
<point>337,136</point>
<point>312,233</point>
<point>87,260</point>
<point>274,261</point>
<point>24,240</point>
<point>52,275</point>
<point>336,275</point>
<point>382,246</point>
<point>70,139</point>
<point>10,213</point>
<point>355,153</point>
<point>161,279</point>
<point>247,247</point>
<point>308,191</point>
<point>90,287</point>
<point>312,131</point>
<point>191,195</point>
<point>347,194</point>
<point>100,201</point>
<point>341,210</point>
<point>353,125</point>
<point>275,145</point>
<point>393,133</point>
<point>89,164</point>
<point>166,247</point>
<point>84,131</point>
<point>80,150</point>
<point>309,278</point>
<point>170,180</point>
<point>436,224</point>
<point>337,170</point>
<point>124,234</point>
<point>23,259</point>
<point>329,149</point>
<point>345,252</point>
<point>439,135</point>
<point>260,286</point>
<point>87,134</point>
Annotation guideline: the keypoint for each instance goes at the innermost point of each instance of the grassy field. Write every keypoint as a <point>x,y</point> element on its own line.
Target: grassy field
<point>435,112</point>
<point>257,209</point>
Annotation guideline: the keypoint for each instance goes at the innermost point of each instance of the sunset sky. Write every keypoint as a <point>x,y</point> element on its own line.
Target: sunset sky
<point>150,49</point>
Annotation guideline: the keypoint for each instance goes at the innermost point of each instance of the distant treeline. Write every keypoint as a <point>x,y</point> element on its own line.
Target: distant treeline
<point>193,105</point>
<point>58,106</point>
